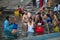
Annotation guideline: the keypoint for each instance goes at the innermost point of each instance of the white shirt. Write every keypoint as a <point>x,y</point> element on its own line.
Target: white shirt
<point>58,6</point>
<point>37,0</point>
<point>45,1</point>
<point>30,27</point>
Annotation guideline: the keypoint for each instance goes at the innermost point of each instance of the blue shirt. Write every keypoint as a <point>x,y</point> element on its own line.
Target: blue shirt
<point>15,26</point>
<point>6,25</point>
<point>48,20</point>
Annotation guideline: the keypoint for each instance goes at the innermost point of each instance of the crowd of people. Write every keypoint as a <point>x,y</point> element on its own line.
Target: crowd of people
<point>42,22</point>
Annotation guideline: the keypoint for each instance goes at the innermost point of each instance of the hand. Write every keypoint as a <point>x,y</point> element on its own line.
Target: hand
<point>14,31</point>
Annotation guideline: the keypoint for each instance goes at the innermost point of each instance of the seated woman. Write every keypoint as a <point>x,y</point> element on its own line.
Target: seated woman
<point>6,26</point>
<point>39,29</point>
<point>13,27</point>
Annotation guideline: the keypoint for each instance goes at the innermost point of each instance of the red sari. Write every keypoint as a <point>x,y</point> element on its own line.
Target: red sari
<point>41,3</point>
<point>39,29</point>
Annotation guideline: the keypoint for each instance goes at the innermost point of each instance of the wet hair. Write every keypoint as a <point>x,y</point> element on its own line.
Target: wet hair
<point>38,13</point>
<point>47,15</point>
<point>7,18</point>
<point>18,6</point>
<point>30,18</point>
<point>56,5</point>
<point>40,18</point>
<point>44,8</point>
<point>59,2</point>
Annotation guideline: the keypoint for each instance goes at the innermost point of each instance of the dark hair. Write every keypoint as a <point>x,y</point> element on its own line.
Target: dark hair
<point>44,8</point>
<point>56,5</point>
<point>40,18</point>
<point>30,18</point>
<point>19,6</point>
<point>47,15</point>
<point>7,18</point>
<point>59,2</point>
<point>55,12</point>
<point>39,13</point>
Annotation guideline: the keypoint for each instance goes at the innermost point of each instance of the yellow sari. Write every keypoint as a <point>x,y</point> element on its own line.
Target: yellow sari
<point>56,29</point>
<point>16,13</point>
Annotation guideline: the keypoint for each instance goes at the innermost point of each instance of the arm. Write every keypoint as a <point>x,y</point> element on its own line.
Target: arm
<point>47,27</point>
<point>26,27</point>
<point>23,19</point>
<point>6,25</point>
<point>56,20</point>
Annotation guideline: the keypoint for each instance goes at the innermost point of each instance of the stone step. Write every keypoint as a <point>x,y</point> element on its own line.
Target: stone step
<point>13,3</point>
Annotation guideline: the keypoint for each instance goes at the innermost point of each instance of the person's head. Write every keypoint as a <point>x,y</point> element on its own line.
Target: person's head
<point>52,15</point>
<point>41,10</point>
<point>30,19</point>
<point>38,13</point>
<point>51,12</point>
<point>33,17</point>
<point>18,6</point>
<point>8,18</point>
<point>15,20</point>
<point>40,18</point>
<point>37,17</point>
<point>26,13</point>
<point>47,15</point>
<point>12,19</point>
<point>56,5</point>
<point>44,9</point>
<point>59,2</point>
